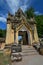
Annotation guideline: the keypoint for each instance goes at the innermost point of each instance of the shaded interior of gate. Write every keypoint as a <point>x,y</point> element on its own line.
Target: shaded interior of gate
<point>24,39</point>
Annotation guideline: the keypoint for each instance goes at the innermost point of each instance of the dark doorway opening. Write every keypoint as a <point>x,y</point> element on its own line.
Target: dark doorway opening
<point>24,37</point>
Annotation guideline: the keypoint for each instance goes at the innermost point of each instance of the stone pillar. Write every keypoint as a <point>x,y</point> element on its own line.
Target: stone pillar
<point>35,34</point>
<point>9,34</point>
<point>24,38</point>
<point>17,37</point>
<point>12,36</point>
<point>30,38</point>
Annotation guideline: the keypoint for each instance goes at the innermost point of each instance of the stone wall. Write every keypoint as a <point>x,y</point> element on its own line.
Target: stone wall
<point>9,35</point>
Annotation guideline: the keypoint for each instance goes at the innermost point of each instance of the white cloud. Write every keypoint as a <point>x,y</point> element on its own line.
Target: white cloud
<point>3,19</point>
<point>37,13</point>
<point>3,15</point>
<point>24,7</point>
<point>15,4</point>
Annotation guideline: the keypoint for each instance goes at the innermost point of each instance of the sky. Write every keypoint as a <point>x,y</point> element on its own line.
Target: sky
<point>13,5</point>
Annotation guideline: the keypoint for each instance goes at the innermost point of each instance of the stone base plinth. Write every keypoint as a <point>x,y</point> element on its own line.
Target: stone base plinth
<point>7,50</point>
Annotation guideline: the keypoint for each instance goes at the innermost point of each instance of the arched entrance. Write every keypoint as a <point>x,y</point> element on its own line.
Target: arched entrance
<point>23,37</point>
<point>26,35</point>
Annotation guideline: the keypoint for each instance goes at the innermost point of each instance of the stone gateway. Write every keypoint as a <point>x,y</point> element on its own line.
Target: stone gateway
<point>18,25</point>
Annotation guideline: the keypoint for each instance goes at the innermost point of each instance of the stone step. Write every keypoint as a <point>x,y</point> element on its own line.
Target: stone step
<point>27,54</point>
<point>29,51</point>
<point>30,54</point>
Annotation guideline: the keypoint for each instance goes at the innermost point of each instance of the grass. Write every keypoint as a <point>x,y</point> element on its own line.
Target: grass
<point>4,59</point>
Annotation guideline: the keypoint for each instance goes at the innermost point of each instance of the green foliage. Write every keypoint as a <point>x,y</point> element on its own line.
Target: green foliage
<point>39,20</point>
<point>2,33</point>
<point>30,13</point>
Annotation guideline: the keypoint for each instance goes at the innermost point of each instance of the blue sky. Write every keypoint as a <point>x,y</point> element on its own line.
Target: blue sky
<point>13,5</point>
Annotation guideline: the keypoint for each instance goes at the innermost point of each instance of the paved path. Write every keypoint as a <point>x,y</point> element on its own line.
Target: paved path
<point>30,57</point>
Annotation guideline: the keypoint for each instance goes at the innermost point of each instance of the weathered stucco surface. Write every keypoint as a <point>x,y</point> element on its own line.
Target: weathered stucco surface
<point>22,25</point>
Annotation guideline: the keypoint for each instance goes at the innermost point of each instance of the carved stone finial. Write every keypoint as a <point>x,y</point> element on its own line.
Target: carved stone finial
<point>32,20</point>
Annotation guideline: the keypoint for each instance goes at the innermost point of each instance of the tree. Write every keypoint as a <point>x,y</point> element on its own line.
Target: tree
<point>30,13</point>
<point>2,33</point>
<point>39,20</point>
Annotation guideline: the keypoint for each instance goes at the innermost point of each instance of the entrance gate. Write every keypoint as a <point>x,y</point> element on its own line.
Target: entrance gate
<point>24,39</point>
